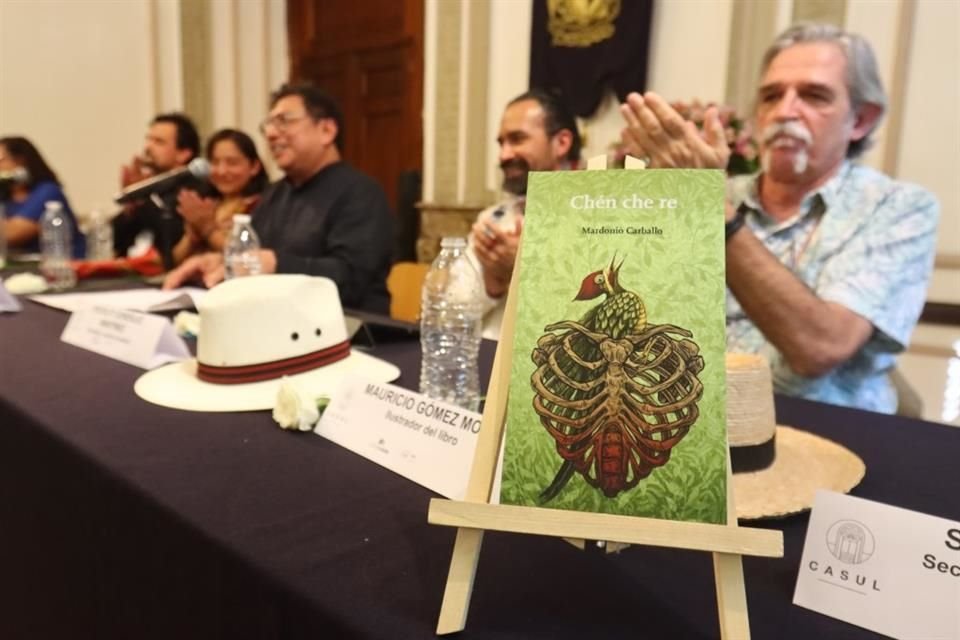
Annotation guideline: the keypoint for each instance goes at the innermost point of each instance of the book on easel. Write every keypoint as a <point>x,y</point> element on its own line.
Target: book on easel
<point>559,366</point>
<point>617,385</point>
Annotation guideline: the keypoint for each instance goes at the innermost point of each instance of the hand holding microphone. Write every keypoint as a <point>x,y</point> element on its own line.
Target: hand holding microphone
<point>138,169</point>
<point>161,183</point>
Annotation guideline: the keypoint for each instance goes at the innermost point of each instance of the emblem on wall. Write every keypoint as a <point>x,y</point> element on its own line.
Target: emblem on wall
<point>581,23</point>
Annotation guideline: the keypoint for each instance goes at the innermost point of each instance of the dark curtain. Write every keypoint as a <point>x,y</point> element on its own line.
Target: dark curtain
<point>583,47</point>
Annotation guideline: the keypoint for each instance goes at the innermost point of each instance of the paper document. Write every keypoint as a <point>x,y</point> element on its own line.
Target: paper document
<point>148,300</point>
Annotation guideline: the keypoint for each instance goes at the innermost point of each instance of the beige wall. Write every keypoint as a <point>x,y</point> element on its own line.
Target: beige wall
<point>248,53</point>
<point>78,78</point>
<point>82,78</point>
<point>929,141</point>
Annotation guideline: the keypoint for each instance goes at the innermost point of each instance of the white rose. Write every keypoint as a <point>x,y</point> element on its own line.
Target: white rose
<point>23,284</point>
<point>294,409</point>
<point>187,323</point>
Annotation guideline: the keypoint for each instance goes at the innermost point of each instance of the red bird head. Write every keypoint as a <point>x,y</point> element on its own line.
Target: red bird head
<point>599,282</point>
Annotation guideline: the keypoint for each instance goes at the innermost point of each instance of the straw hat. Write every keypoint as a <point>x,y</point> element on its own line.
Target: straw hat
<point>777,469</point>
<point>255,330</point>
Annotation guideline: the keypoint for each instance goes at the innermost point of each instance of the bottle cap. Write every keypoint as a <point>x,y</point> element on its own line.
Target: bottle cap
<point>453,242</point>
<point>53,204</point>
<point>241,218</point>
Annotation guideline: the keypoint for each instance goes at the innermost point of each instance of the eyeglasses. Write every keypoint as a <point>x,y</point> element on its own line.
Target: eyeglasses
<point>280,122</point>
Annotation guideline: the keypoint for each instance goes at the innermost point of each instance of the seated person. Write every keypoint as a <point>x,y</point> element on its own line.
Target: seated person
<point>324,218</point>
<point>238,177</point>
<point>827,260</point>
<point>23,199</point>
<point>537,133</point>
<point>171,142</point>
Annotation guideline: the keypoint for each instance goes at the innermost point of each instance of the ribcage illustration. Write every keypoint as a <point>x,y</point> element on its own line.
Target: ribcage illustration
<point>618,401</point>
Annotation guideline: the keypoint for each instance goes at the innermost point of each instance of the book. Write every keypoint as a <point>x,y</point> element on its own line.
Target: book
<point>617,385</point>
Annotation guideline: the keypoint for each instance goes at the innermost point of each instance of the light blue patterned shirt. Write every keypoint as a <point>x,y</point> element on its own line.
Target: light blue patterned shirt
<point>863,241</point>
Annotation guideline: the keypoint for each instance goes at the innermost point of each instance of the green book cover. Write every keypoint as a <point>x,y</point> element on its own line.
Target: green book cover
<point>617,386</point>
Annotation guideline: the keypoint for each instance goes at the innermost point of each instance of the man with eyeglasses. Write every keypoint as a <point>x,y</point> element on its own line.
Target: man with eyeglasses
<point>323,218</point>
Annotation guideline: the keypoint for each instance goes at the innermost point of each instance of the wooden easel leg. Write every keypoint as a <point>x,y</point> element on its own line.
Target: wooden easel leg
<point>731,596</point>
<point>463,569</point>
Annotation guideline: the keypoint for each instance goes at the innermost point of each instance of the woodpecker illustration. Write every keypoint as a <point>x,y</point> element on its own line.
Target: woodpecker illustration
<point>621,313</point>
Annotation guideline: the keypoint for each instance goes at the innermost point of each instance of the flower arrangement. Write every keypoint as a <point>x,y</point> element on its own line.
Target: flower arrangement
<point>739,132</point>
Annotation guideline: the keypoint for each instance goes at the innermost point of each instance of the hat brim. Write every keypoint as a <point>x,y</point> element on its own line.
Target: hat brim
<point>177,386</point>
<point>803,464</point>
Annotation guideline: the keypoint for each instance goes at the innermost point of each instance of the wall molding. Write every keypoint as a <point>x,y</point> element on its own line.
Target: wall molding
<point>898,84</point>
<point>752,28</point>
<point>196,67</point>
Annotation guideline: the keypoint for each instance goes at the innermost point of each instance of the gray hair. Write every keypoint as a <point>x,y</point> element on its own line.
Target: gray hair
<point>863,79</point>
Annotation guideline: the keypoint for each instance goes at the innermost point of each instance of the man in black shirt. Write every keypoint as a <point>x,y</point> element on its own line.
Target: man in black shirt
<point>324,218</point>
<point>171,142</point>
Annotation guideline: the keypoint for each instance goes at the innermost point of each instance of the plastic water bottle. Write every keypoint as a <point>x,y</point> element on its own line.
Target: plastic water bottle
<point>450,327</point>
<point>56,247</point>
<point>99,237</point>
<point>241,253</point>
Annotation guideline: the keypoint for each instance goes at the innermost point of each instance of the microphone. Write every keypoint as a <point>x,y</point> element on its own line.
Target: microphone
<point>18,175</point>
<point>198,168</point>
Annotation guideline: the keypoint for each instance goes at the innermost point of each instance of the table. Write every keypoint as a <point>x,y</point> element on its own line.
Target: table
<point>120,519</point>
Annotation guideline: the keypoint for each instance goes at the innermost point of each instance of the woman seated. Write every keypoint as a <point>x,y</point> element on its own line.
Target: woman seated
<point>30,183</point>
<point>238,177</point>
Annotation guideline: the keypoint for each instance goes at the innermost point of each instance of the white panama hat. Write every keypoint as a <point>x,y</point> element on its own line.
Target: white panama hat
<point>255,330</point>
<point>777,470</point>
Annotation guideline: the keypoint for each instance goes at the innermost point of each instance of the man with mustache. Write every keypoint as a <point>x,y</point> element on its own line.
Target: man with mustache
<point>537,133</point>
<point>171,142</point>
<point>323,218</point>
<point>827,261</point>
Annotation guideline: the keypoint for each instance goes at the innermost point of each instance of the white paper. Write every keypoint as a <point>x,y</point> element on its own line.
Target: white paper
<point>134,299</point>
<point>427,441</point>
<point>143,340</point>
<point>883,568</point>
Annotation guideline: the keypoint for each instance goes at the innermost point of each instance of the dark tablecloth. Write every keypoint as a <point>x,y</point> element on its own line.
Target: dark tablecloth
<point>120,519</point>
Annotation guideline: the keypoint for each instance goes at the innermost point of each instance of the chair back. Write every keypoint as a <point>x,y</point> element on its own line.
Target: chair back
<point>404,284</point>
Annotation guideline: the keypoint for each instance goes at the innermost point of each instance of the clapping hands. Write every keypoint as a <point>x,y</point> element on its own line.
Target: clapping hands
<point>496,250</point>
<point>656,133</point>
<point>198,212</point>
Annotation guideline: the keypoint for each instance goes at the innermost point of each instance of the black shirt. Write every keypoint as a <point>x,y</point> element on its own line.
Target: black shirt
<point>165,223</point>
<point>338,225</point>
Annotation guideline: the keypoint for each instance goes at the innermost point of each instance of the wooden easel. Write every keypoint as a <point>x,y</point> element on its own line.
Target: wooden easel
<point>475,515</point>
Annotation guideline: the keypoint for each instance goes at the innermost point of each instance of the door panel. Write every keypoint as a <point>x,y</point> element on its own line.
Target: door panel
<point>369,56</point>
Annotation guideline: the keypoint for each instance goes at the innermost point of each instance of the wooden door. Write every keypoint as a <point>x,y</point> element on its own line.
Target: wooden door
<point>369,55</point>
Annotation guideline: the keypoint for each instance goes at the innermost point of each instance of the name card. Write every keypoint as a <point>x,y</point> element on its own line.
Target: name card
<point>883,568</point>
<point>428,441</point>
<point>8,303</point>
<point>140,339</point>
